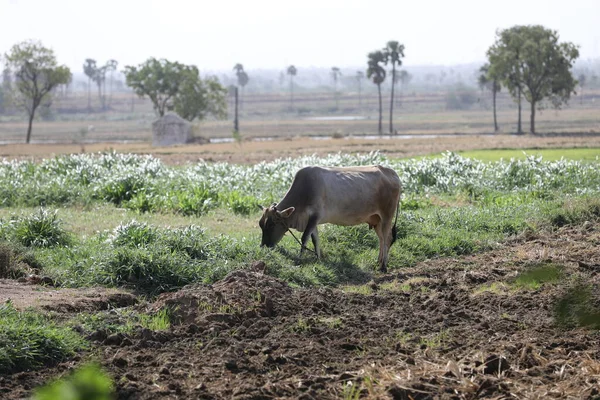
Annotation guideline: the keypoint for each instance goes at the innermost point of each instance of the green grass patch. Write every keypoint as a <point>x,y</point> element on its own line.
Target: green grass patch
<point>123,320</point>
<point>155,259</point>
<point>530,278</point>
<point>577,154</point>
<point>535,276</point>
<point>29,340</point>
<point>494,287</point>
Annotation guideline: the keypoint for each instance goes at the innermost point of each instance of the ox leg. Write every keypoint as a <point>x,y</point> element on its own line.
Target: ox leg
<point>381,237</point>
<point>315,240</point>
<point>384,234</point>
<point>311,229</point>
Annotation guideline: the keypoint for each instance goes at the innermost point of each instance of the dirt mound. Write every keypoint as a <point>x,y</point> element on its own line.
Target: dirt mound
<point>241,294</point>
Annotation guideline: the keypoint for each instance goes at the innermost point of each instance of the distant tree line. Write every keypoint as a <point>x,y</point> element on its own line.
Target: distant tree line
<point>527,61</point>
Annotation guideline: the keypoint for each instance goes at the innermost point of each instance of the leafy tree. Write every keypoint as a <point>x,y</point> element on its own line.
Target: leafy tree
<point>393,54</point>
<point>89,69</point>
<point>36,73</point>
<point>160,80</point>
<point>487,80</point>
<point>531,62</point>
<point>359,78</point>
<point>198,98</point>
<point>335,74</point>
<point>171,85</point>
<point>377,74</point>
<point>292,71</point>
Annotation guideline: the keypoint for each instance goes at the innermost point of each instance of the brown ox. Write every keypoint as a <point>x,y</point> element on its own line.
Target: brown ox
<point>340,196</point>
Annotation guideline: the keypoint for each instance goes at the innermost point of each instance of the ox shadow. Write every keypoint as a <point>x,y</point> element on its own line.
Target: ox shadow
<point>340,265</point>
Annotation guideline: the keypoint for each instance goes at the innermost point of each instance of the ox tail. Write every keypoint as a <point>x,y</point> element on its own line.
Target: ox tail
<point>394,228</point>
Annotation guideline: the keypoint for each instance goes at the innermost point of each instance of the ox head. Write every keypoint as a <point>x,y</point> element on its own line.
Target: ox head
<point>274,224</point>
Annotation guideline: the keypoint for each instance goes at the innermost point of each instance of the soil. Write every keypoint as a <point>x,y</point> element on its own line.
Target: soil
<point>250,152</point>
<point>449,328</point>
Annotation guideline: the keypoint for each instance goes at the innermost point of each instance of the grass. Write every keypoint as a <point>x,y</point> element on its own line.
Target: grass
<point>30,340</point>
<point>126,220</point>
<point>437,340</point>
<point>123,320</point>
<point>159,258</point>
<point>578,154</point>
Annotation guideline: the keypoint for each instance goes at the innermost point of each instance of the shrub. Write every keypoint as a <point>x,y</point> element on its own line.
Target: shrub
<point>30,340</point>
<point>41,229</point>
<point>136,234</point>
<point>239,203</point>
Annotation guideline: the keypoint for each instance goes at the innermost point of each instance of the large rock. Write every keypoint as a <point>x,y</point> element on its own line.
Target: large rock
<point>170,129</point>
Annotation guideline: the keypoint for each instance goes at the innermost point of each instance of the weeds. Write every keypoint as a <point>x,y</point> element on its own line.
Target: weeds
<point>41,229</point>
<point>143,183</point>
<point>302,325</point>
<point>160,321</point>
<point>436,341</point>
<point>29,340</point>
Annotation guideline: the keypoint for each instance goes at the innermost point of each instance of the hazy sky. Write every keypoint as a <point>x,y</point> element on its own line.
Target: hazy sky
<point>216,34</point>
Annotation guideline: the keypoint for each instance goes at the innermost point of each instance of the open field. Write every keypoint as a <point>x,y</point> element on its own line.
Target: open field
<point>269,115</point>
<point>150,267</point>
<point>250,152</point>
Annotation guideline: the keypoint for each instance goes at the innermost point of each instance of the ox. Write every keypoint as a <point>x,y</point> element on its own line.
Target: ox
<point>341,196</point>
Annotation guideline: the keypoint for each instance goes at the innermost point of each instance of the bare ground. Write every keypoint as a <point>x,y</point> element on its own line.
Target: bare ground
<point>449,328</point>
<point>249,152</point>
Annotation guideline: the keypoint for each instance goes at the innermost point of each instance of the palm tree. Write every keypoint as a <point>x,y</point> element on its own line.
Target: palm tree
<point>488,81</point>
<point>238,68</point>
<point>376,73</point>
<point>359,77</point>
<point>335,74</point>
<point>89,68</point>
<point>292,71</point>
<point>393,52</point>
<point>111,65</point>
<point>242,80</point>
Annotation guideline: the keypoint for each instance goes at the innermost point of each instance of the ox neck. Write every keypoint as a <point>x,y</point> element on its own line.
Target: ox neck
<point>292,222</point>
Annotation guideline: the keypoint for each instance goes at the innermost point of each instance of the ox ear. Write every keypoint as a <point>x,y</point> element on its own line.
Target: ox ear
<point>287,212</point>
<point>260,207</point>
